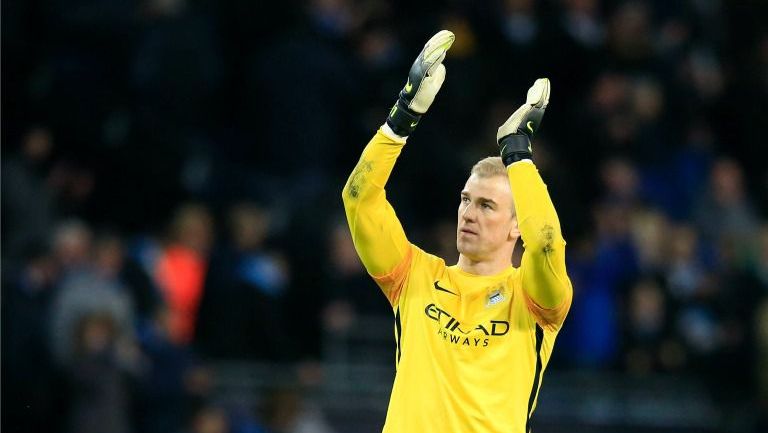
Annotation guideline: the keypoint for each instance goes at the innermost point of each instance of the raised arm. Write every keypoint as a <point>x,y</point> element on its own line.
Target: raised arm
<point>377,233</point>
<point>545,281</point>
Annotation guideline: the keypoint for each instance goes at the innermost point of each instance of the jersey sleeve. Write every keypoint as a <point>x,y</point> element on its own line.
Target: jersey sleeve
<point>546,286</point>
<point>378,236</point>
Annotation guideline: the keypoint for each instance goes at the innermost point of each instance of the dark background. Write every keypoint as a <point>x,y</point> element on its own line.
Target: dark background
<point>174,253</point>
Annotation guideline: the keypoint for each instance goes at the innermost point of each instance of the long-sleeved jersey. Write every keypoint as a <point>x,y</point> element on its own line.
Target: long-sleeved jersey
<point>471,350</point>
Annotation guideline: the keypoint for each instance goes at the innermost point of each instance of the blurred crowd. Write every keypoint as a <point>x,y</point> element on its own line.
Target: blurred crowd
<point>172,169</point>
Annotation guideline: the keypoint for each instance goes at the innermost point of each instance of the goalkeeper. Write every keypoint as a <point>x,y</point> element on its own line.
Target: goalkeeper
<point>474,338</point>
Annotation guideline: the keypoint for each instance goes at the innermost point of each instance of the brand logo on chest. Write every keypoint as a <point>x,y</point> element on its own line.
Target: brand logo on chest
<point>494,298</point>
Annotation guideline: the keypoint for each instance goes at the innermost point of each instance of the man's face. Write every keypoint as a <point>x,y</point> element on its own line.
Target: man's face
<point>486,224</point>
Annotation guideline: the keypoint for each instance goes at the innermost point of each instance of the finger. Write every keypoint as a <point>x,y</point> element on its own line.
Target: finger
<point>538,94</point>
<point>436,48</point>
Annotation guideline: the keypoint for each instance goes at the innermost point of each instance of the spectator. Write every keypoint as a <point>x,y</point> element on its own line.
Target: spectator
<point>99,373</point>
<point>725,210</point>
<point>173,380</point>
<point>180,270</point>
<point>287,410</point>
<point>87,294</point>
<point>209,419</point>
<point>28,203</point>
<point>112,263</point>
<point>242,310</point>
<point>650,343</point>
<point>28,373</point>
<point>72,247</point>
<point>176,68</point>
<point>352,301</point>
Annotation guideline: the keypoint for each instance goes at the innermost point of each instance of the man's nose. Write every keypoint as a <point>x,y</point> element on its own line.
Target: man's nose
<point>468,214</point>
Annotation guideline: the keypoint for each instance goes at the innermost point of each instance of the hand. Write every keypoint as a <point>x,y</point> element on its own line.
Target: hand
<point>424,81</point>
<point>515,135</point>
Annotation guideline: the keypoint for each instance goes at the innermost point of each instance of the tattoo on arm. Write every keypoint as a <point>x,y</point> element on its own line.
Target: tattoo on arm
<point>358,177</point>
<point>547,236</point>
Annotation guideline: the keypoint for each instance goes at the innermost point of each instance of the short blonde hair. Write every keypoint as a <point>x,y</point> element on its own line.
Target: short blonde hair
<point>489,167</point>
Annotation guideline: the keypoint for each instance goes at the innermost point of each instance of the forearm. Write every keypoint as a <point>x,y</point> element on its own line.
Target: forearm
<point>376,232</point>
<point>543,264</point>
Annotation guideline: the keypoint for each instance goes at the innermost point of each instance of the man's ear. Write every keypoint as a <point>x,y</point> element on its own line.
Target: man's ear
<point>514,232</point>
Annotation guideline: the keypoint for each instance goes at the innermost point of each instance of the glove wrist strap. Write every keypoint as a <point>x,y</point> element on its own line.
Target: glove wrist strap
<point>402,120</point>
<point>515,147</point>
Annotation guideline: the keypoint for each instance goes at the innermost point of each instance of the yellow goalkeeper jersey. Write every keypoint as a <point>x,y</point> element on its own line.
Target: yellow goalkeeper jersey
<point>470,350</point>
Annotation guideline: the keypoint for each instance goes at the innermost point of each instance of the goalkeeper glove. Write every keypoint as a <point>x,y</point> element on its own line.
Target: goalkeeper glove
<point>515,135</point>
<point>424,80</point>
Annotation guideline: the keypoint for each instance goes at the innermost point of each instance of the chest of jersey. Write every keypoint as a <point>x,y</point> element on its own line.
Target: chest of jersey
<point>482,322</point>
<point>467,351</point>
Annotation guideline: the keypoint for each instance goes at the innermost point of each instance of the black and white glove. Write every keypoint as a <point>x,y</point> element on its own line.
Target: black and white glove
<point>424,81</point>
<point>515,135</point>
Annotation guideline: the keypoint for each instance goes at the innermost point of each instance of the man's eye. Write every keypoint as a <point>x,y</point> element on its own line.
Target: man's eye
<point>465,199</point>
<point>486,206</point>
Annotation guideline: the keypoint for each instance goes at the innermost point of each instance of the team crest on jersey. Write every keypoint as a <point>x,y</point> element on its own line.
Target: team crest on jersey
<point>494,298</point>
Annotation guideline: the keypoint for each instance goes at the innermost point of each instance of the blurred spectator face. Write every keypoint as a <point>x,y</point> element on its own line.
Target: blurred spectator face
<point>193,228</point>
<point>37,144</point>
<point>650,235</point>
<point>610,92</point>
<point>72,244</point>
<point>343,254</point>
<point>95,334</point>
<point>335,17</point>
<point>582,22</point>
<point>647,100</point>
<point>673,35</point>
<point>41,271</point>
<point>630,31</point>
<point>686,276</point>
<point>378,47</point>
<point>727,182</point>
<point>249,225</point>
<point>210,420</point>
<point>520,25</point>
<point>705,73</point>
<point>109,255</point>
<point>620,179</point>
<point>646,309</point>
<point>611,101</point>
<point>612,220</point>
<point>684,241</point>
<point>338,316</point>
<point>282,408</point>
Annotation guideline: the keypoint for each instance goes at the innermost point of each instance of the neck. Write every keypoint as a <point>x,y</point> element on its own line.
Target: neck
<point>486,266</point>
